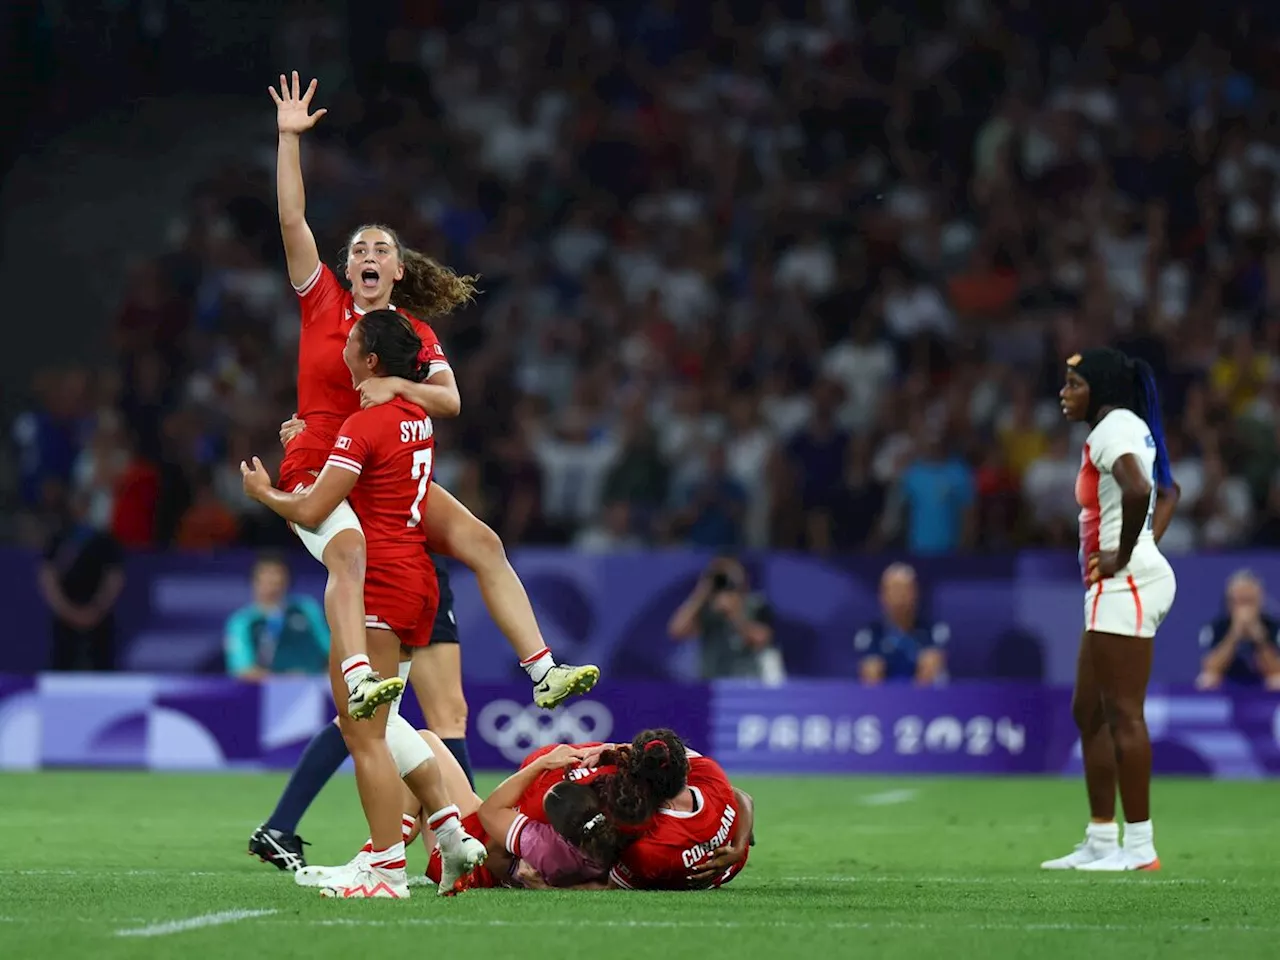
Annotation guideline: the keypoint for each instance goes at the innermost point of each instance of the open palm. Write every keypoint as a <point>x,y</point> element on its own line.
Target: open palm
<point>293,106</point>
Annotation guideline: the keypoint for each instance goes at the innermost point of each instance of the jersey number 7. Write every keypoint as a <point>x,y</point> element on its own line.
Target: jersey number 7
<point>421,473</point>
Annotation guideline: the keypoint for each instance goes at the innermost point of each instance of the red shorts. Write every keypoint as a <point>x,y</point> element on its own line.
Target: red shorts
<point>482,878</point>
<point>402,595</point>
<point>301,465</point>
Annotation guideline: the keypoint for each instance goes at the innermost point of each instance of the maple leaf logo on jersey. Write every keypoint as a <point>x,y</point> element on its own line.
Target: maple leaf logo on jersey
<point>344,443</point>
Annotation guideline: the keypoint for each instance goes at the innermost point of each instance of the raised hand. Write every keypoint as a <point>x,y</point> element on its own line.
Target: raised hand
<point>293,107</point>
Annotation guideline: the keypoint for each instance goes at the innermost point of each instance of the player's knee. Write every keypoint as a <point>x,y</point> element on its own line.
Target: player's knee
<point>344,558</point>
<point>1087,713</point>
<point>1124,717</point>
<point>480,546</point>
<point>447,716</point>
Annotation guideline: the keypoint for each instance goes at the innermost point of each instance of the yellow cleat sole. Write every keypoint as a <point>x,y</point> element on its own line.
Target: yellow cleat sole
<point>582,681</point>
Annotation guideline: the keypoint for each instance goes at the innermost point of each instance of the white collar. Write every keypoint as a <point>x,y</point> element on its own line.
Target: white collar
<point>698,804</point>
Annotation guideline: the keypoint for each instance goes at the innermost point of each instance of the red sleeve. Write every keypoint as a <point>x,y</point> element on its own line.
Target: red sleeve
<point>322,296</point>
<point>646,865</point>
<point>437,360</point>
<point>354,447</point>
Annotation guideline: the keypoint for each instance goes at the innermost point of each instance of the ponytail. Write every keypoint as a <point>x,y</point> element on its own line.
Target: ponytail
<point>1148,402</point>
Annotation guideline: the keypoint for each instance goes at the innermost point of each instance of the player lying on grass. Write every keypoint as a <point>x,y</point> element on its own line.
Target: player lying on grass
<point>519,846</point>
<point>691,827</point>
<point>571,813</point>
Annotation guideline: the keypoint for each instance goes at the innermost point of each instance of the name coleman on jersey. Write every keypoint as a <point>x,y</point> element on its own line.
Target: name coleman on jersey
<point>703,850</point>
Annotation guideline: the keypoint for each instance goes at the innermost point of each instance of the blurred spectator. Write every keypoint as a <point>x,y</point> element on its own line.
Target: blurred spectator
<point>733,626</point>
<point>208,523</point>
<point>901,645</point>
<point>277,632</point>
<point>1049,493</point>
<point>612,533</point>
<point>711,509</point>
<point>1243,647</point>
<point>80,579</point>
<point>935,500</point>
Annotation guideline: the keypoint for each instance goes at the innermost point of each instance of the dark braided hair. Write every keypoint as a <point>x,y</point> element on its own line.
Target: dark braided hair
<point>1118,380</point>
<point>428,288</point>
<point>391,337</point>
<point>576,812</point>
<point>652,769</point>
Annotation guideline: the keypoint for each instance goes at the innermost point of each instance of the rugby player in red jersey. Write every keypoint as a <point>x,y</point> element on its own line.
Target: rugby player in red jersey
<point>695,826</point>
<point>378,265</point>
<point>381,461</point>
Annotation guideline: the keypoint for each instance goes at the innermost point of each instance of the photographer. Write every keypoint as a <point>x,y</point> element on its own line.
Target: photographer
<point>1242,648</point>
<point>734,626</point>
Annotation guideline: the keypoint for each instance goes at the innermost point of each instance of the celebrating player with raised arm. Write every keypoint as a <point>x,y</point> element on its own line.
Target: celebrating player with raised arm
<point>1127,497</point>
<point>379,266</point>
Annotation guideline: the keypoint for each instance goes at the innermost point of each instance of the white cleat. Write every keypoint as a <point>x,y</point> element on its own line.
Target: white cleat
<point>1124,859</point>
<point>1090,851</point>
<point>457,863</point>
<point>317,876</point>
<point>369,883</point>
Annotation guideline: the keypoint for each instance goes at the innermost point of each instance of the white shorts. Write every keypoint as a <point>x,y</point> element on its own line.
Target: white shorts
<point>1129,607</point>
<point>342,518</point>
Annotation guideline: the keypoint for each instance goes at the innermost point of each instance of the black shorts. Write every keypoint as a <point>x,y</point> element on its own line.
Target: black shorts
<point>445,629</point>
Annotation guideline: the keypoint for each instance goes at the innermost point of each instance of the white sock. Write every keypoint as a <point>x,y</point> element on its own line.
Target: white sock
<point>391,858</point>
<point>1103,833</point>
<point>1138,834</point>
<point>355,669</point>
<point>539,665</point>
<point>407,823</point>
<point>447,826</point>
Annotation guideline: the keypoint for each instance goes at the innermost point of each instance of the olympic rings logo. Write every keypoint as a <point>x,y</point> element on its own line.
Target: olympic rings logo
<point>518,729</point>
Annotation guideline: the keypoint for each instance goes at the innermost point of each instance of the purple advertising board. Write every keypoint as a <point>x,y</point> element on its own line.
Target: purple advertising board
<point>188,723</point>
<point>1012,617</point>
<point>183,723</point>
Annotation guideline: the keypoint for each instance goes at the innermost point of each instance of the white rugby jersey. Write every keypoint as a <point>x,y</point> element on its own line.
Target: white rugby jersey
<point>1120,432</point>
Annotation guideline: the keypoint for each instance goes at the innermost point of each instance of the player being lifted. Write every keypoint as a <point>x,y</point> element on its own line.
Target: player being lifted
<point>378,266</point>
<point>381,461</point>
<point>1127,496</point>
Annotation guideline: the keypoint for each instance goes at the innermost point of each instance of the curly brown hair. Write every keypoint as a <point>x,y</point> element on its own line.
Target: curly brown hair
<point>428,289</point>
<point>651,770</point>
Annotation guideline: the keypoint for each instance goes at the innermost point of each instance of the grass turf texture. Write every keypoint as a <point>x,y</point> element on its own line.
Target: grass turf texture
<point>135,865</point>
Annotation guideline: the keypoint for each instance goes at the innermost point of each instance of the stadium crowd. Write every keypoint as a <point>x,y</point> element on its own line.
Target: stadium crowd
<point>754,273</point>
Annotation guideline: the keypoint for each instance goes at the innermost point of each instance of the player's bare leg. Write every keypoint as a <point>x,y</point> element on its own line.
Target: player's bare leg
<point>1123,668</point>
<point>382,874</point>
<point>1102,834</point>
<point>366,689</point>
<point>455,531</point>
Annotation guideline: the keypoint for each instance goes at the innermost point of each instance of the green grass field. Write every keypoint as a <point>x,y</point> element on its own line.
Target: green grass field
<point>140,865</point>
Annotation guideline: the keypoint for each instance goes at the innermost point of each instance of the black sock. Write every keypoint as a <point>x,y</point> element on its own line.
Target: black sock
<point>319,762</point>
<point>458,748</point>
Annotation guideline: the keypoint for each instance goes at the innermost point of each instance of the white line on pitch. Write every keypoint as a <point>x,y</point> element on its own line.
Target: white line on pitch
<point>1064,879</point>
<point>888,798</point>
<point>771,924</point>
<point>193,923</point>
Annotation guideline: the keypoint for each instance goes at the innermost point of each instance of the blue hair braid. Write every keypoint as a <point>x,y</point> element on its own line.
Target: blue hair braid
<point>1148,397</point>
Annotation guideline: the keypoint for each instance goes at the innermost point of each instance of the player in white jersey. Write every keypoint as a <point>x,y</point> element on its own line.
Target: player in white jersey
<point>1127,496</point>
